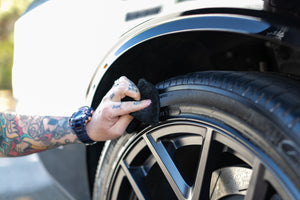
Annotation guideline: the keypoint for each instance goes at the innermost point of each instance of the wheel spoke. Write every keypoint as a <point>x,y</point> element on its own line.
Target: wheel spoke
<point>168,167</point>
<point>257,187</point>
<point>202,182</point>
<point>136,177</point>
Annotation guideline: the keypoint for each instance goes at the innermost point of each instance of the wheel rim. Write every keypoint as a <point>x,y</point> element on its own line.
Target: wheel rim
<point>176,160</point>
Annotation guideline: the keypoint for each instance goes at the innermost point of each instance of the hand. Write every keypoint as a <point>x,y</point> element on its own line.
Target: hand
<point>111,118</point>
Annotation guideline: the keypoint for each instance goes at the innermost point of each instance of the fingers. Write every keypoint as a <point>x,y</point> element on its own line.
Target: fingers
<point>112,118</point>
<point>124,108</point>
<point>123,87</point>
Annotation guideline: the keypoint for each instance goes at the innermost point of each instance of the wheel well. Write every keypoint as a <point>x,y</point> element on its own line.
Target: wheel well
<point>180,53</point>
<point>170,55</point>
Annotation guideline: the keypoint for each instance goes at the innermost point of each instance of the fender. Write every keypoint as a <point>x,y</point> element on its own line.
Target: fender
<point>123,59</point>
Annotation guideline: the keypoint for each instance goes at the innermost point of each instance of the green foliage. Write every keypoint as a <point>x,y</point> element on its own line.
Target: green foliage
<point>6,57</point>
<point>10,11</point>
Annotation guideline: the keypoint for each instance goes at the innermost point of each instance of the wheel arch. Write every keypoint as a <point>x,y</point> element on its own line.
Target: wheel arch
<point>195,40</point>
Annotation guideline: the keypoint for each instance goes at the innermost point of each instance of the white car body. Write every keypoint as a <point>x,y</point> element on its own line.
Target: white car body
<point>60,44</point>
<point>68,52</point>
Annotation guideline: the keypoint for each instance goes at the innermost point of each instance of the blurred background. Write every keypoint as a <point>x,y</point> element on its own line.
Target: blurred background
<point>37,176</point>
<point>10,11</point>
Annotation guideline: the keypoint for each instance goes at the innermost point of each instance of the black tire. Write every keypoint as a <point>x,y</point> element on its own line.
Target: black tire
<point>211,122</point>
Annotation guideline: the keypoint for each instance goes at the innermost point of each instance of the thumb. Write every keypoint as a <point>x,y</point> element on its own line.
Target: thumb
<point>119,128</point>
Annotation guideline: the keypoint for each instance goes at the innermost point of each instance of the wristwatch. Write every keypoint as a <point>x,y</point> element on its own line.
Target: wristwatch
<point>78,122</point>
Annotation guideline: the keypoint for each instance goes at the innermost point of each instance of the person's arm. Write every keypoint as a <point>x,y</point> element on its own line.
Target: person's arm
<point>22,135</point>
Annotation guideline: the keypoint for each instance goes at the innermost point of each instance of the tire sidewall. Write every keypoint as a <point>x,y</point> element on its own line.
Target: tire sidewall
<point>216,106</point>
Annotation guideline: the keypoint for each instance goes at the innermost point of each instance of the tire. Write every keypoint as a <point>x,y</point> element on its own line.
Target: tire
<point>221,135</point>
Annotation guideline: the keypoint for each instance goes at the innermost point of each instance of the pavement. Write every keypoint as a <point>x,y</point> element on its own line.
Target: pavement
<point>25,178</point>
<point>54,174</point>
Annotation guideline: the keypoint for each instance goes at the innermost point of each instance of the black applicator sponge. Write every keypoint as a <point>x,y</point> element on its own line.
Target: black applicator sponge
<point>149,115</point>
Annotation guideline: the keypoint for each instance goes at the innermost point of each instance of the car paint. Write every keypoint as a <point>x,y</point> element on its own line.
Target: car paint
<point>60,45</point>
<point>234,20</point>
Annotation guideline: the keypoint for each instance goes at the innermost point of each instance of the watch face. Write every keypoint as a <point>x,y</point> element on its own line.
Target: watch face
<point>78,122</point>
<point>78,116</point>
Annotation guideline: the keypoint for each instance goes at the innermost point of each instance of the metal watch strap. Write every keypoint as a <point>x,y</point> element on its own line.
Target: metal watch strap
<point>83,136</point>
<point>79,124</point>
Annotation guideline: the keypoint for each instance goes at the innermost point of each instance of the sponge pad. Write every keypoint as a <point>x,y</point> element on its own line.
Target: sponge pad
<point>150,114</point>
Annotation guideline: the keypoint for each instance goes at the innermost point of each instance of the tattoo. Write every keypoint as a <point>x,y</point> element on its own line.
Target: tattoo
<point>116,83</point>
<point>132,87</point>
<point>22,135</point>
<point>116,106</point>
<point>112,96</point>
<point>53,122</point>
<point>136,103</point>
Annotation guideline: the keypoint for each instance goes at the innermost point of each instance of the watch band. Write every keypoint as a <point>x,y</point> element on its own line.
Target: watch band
<point>78,122</point>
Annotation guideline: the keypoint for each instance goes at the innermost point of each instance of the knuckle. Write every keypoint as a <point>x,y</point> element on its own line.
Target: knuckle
<point>122,87</point>
<point>123,79</point>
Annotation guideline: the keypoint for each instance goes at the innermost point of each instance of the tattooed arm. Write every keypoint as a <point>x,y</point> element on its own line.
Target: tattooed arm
<point>22,135</point>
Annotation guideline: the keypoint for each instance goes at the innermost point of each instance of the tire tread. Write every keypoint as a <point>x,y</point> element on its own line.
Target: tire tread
<point>277,94</point>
